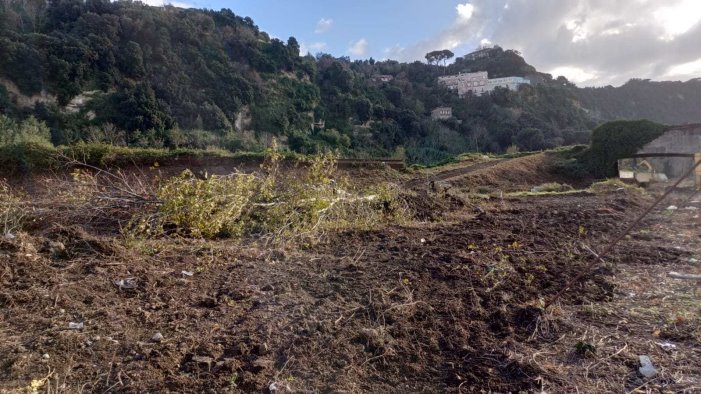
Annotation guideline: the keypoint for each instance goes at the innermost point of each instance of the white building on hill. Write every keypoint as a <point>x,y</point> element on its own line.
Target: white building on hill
<point>441,113</point>
<point>507,82</point>
<point>479,83</point>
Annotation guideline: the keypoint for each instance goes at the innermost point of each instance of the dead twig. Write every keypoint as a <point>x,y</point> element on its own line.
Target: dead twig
<point>678,275</point>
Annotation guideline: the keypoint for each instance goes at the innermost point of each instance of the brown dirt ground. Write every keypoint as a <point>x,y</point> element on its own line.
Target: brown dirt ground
<point>451,304</point>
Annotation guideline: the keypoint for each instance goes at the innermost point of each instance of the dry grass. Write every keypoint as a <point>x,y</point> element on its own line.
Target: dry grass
<point>14,211</point>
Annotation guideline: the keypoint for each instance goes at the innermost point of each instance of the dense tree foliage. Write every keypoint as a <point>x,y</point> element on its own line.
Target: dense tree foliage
<point>439,56</point>
<point>124,72</point>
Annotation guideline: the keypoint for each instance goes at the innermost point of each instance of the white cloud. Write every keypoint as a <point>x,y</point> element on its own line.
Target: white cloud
<point>465,11</point>
<point>394,52</point>
<point>486,43</point>
<point>323,25</point>
<point>678,18</point>
<point>591,42</point>
<point>574,74</point>
<point>685,70</point>
<point>359,47</point>
<point>312,48</point>
<point>579,31</point>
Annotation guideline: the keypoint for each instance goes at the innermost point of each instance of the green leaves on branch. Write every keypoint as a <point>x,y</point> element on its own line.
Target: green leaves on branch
<point>206,207</point>
<point>266,203</point>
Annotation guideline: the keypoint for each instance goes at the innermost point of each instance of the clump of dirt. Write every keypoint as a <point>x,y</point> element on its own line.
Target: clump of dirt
<point>74,241</point>
<point>427,207</point>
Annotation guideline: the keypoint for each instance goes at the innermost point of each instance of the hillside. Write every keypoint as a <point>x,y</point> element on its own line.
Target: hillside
<point>127,73</point>
<point>670,102</point>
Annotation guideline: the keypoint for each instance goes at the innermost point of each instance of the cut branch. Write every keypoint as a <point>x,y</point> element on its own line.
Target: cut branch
<point>678,275</point>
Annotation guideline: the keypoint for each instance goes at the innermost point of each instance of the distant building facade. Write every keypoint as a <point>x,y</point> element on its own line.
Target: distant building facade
<point>479,83</point>
<point>466,82</point>
<point>383,78</point>
<point>479,54</point>
<point>511,83</point>
<point>682,139</point>
<point>442,113</point>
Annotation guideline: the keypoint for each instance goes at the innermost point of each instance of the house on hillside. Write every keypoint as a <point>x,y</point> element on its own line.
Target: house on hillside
<point>318,125</point>
<point>668,156</point>
<point>442,113</point>
<point>383,78</point>
<point>479,54</point>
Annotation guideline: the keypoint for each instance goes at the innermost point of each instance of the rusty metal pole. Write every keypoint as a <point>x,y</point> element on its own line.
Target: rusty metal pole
<point>697,159</point>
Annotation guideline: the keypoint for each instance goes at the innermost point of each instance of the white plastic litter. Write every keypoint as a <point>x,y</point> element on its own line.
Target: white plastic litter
<point>127,283</point>
<point>646,367</point>
<point>75,326</point>
<point>667,346</point>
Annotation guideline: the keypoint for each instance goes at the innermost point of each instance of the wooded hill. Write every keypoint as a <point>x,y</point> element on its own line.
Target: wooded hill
<point>126,73</point>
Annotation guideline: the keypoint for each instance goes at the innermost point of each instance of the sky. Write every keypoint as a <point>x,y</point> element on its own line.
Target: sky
<point>591,42</point>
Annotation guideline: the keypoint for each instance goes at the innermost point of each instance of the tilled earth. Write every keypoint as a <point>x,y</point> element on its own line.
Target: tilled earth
<point>435,306</point>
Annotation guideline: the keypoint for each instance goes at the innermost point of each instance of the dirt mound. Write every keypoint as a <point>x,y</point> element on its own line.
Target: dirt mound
<point>426,207</point>
<point>74,241</point>
<point>515,175</point>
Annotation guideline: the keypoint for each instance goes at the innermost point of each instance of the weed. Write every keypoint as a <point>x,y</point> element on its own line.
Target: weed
<point>612,185</point>
<point>584,348</point>
<point>13,211</point>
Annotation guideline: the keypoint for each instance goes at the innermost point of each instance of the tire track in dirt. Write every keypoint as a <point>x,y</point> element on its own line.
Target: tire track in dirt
<point>449,174</point>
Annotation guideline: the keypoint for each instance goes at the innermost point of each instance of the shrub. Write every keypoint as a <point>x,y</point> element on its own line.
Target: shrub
<point>26,156</point>
<point>30,131</point>
<point>206,207</point>
<point>24,145</point>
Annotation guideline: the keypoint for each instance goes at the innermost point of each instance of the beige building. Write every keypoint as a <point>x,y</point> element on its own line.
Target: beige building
<point>442,113</point>
<point>466,82</point>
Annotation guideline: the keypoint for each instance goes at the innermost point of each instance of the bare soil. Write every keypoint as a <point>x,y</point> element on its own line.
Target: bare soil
<point>449,303</point>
